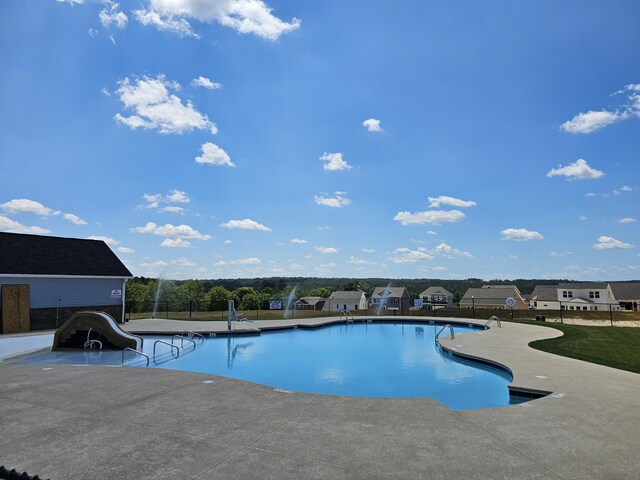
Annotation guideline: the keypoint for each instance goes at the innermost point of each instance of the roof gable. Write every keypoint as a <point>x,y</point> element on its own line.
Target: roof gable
<point>40,255</point>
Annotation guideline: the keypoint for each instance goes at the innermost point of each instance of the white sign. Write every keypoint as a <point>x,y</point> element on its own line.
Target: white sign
<point>510,302</point>
<point>275,305</point>
<point>116,293</point>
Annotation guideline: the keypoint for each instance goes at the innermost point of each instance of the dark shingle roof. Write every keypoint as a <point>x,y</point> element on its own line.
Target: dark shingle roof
<point>545,293</point>
<point>39,255</point>
<point>626,290</point>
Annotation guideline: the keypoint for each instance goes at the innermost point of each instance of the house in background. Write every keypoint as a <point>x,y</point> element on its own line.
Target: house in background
<point>492,296</point>
<point>544,297</point>
<point>310,303</point>
<point>44,280</point>
<point>586,296</point>
<point>345,300</point>
<point>627,294</point>
<point>436,297</point>
<point>390,298</point>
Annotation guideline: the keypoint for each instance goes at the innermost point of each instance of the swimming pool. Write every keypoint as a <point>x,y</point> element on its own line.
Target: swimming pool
<point>383,360</point>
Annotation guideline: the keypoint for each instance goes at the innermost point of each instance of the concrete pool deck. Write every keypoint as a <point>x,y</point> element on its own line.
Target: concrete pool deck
<point>100,422</point>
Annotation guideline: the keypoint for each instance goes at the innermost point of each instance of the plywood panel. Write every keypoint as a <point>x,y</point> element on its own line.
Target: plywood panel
<point>15,309</point>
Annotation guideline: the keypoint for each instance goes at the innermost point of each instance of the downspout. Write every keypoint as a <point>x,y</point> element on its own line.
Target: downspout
<point>124,286</point>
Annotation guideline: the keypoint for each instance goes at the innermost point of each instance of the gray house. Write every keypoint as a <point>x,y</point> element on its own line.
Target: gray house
<point>437,297</point>
<point>390,298</point>
<point>44,280</point>
<point>310,303</point>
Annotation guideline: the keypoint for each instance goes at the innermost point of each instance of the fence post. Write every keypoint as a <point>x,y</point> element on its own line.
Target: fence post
<point>611,314</point>
<point>190,308</point>
<point>561,321</point>
<point>167,309</point>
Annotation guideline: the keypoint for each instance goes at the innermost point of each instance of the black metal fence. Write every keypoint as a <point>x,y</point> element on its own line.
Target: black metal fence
<point>593,314</point>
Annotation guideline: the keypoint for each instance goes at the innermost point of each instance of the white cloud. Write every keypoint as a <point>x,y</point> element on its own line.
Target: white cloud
<point>298,240</point>
<point>406,255</point>
<point>327,250</point>
<point>214,155</point>
<point>248,261</point>
<point>595,120</point>
<point>627,220</point>
<point>246,224</point>
<point>113,16</point>
<point>175,243</point>
<point>76,220</point>
<point>591,121</point>
<point>439,269</point>
<point>590,194</point>
<point>177,196</point>
<point>156,109</point>
<point>334,162</point>
<point>583,218</point>
<point>11,226</point>
<point>296,266</point>
<point>579,170</point>
<point>23,205</point>
<point>239,261</point>
<point>71,2</point>
<point>605,243</point>
<point>626,188</point>
<point>168,230</point>
<point>107,240</point>
<point>372,125</point>
<point>432,216</point>
<point>125,250</point>
<point>244,16</point>
<point>184,262</point>
<point>157,263</point>
<point>368,250</point>
<point>337,201</point>
<point>520,234</point>
<point>448,251</point>
<point>436,202</point>
<point>173,209</point>
<point>204,82</point>
<point>179,26</point>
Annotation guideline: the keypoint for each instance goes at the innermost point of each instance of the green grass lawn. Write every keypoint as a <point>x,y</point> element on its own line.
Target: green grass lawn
<point>617,347</point>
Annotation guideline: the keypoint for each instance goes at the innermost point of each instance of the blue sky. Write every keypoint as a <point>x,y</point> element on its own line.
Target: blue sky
<point>234,138</point>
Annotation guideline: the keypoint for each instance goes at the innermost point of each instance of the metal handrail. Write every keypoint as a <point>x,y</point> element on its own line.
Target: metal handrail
<point>493,319</point>
<point>135,351</point>
<point>347,315</point>
<point>444,327</point>
<point>166,343</point>
<point>182,339</point>
<point>195,334</point>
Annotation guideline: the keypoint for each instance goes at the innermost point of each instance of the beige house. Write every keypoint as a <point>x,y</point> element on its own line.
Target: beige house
<point>437,297</point>
<point>493,296</point>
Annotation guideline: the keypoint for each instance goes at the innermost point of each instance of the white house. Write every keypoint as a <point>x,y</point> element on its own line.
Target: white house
<point>346,300</point>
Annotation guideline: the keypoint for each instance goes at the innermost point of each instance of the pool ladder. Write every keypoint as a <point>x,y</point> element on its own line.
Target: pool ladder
<point>444,327</point>
<point>493,319</point>
<point>348,316</point>
<point>189,337</point>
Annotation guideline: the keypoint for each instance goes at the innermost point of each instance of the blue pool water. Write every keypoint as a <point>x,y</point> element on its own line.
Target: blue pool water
<point>363,360</point>
<point>387,360</point>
